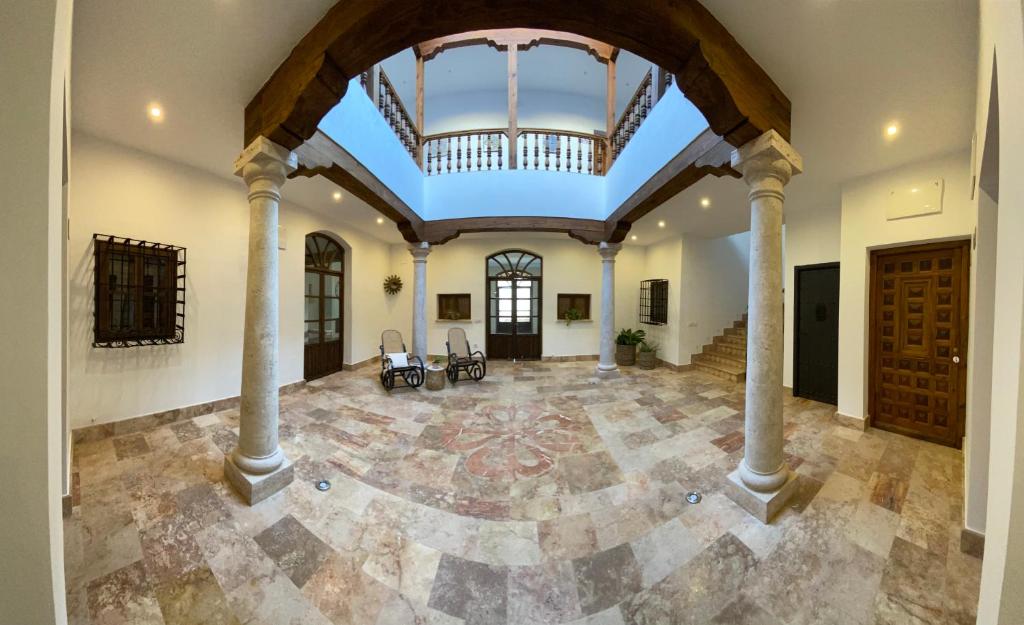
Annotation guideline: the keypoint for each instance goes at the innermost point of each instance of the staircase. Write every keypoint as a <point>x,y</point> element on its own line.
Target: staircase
<point>726,356</point>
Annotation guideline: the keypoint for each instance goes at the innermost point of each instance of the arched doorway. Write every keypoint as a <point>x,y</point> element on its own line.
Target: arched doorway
<point>324,288</point>
<point>514,305</point>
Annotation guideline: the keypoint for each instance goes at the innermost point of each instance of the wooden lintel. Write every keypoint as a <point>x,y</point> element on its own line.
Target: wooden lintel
<point>320,155</point>
<point>520,38</point>
<point>440,231</point>
<point>708,154</point>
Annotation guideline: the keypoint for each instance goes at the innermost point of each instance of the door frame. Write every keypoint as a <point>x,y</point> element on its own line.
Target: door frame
<point>342,302</point>
<point>873,336</point>
<point>540,303</point>
<point>797,270</point>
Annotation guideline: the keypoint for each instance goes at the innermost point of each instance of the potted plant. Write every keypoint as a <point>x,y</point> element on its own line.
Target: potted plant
<point>435,375</point>
<point>571,315</point>
<point>646,358</point>
<point>625,345</point>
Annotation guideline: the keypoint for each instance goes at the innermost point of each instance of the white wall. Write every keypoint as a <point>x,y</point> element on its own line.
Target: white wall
<point>449,112</point>
<point>569,267</point>
<point>1002,37</point>
<point>664,260</point>
<point>707,290</point>
<point>35,43</point>
<point>864,227</point>
<point>122,192</point>
<point>811,237</point>
<point>714,289</point>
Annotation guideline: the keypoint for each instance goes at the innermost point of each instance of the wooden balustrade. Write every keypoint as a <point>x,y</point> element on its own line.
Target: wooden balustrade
<point>391,107</point>
<point>632,116</point>
<point>466,150</point>
<point>561,150</point>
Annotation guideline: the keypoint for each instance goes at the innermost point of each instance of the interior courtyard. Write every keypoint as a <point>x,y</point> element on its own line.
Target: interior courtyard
<point>388,312</point>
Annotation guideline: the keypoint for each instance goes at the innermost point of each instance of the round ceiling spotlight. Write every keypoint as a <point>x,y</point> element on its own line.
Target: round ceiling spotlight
<point>337,196</point>
<point>633,238</point>
<point>380,220</point>
<point>705,202</point>
<point>892,129</point>
<point>155,112</point>
<point>661,224</point>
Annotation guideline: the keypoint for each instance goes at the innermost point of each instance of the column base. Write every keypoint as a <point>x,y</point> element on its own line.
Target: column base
<point>256,488</point>
<point>763,506</point>
<point>608,371</point>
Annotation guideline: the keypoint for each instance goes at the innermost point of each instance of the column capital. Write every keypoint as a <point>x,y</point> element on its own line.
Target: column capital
<point>419,252</point>
<point>265,159</point>
<point>768,156</point>
<point>608,250</point>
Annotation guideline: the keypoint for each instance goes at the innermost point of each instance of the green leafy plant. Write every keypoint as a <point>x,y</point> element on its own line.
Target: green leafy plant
<point>436,361</point>
<point>648,346</point>
<point>571,315</point>
<point>629,336</point>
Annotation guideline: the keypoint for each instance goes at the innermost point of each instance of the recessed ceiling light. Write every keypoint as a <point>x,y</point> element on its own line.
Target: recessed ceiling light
<point>892,130</point>
<point>380,220</point>
<point>661,224</point>
<point>337,196</point>
<point>633,237</point>
<point>155,112</point>
<point>705,202</point>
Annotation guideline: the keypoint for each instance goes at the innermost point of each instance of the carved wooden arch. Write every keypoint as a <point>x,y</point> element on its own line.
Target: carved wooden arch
<point>522,38</point>
<point>736,97</point>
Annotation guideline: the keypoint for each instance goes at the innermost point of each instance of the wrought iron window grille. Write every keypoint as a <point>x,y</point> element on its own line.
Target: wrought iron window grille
<point>654,302</point>
<point>139,293</point>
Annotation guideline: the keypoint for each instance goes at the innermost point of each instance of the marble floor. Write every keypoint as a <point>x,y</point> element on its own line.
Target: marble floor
<point>539,495</point>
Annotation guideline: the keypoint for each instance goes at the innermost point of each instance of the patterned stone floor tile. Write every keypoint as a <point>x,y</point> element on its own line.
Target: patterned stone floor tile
<point>540,495</point>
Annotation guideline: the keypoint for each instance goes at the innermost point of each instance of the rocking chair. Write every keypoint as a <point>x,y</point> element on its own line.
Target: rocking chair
<point>461,359</point>
<point>395,360</point>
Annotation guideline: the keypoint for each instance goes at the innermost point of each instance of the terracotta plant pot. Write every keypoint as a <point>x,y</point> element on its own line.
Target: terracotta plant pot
<point>436,379</point>
<point>625,355</point>
<point>646,360</point>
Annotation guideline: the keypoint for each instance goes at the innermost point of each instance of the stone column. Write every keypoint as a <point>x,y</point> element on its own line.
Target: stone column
<point>257,467</point>
<point>419,253</point>
<point>606,363</point>
<point>763,481</point>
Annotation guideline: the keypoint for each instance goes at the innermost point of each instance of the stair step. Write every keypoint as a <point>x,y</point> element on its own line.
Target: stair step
<point>736,332</point>
<point>742,323</point>
<point>719,370</point>
<point>726,355</point>
<point>739,341</point>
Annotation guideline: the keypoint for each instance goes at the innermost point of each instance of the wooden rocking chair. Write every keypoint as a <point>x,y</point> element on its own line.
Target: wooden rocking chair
<point>461,359</point>
<point>396,360</point>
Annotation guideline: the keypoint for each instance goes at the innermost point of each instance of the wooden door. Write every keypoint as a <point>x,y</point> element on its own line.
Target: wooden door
<point>324,288</point>
<point>919,298</point>
<point>816,332</point>
<point>514,303</point>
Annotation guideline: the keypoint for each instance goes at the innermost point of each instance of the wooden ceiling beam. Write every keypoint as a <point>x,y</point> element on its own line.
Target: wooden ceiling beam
<point>708,154</point>
<point>736,97</point>
<point>321,156</point>
<point>439,231</point>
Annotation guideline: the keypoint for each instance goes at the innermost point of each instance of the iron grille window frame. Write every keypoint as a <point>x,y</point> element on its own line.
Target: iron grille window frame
<point>654,302</point>
<point>171,329</point>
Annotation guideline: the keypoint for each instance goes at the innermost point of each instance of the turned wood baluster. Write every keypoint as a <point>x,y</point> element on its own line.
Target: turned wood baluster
<point>479,153</point>
<point>579,154</point>
<point>448,154</point>
<point>437,156</point>
<point>428,159</point>
<point>536,150</point>
<point>500,150</point>
<point>547,151</point>
<point>458,153</point>
<point>526,151</point>
<point>590,161</point>
<point>647,98</point>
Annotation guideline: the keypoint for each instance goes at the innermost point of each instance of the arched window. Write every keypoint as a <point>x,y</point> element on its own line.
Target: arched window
<point>513,264</point>
<point>325,265</point>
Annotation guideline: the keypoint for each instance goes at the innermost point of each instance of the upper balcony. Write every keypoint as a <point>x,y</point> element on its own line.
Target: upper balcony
<point>519,123</point>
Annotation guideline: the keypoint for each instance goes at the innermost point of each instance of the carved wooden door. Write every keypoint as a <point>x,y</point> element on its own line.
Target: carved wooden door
<point>919,299</point>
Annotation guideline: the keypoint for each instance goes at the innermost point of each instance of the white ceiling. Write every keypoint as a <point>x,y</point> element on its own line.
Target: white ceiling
<point>848,68</point>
